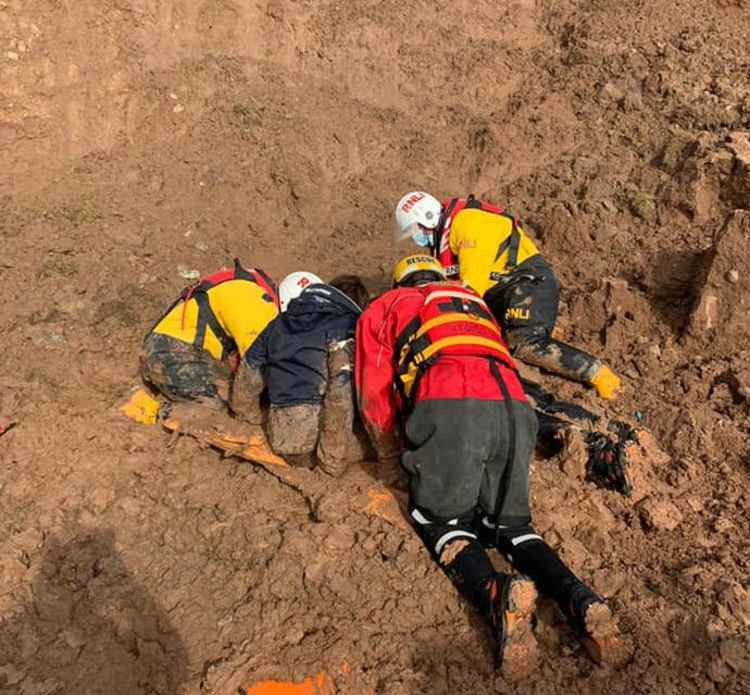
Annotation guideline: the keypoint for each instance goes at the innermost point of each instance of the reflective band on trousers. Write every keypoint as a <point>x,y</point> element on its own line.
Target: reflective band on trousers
<point>420,518</point>
<point>526,537</point>
<point>443,540</point>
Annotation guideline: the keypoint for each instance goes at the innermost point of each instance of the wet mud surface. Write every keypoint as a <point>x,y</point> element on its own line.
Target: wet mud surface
<point>140,141</point>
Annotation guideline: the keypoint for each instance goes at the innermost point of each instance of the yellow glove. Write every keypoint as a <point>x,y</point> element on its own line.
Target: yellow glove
<point>606,383</point>
<point>141,408</point>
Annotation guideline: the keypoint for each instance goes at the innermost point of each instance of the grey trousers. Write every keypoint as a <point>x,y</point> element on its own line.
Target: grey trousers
<point>467,454</point>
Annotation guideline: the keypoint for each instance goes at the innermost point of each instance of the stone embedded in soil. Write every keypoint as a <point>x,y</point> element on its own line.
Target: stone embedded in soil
<point>719,317</point>
<point>595,538</point>
<point>742,379</point>
<point>734,600</point>
<point>609,582</point>
<point>739,184</point>
<point>573,456</point>
<point>341,538</point>
<point>632,101</point>
<point>643,205</point>
<point>619,298</point>
<point>659,514</point>
<point>736,654</point>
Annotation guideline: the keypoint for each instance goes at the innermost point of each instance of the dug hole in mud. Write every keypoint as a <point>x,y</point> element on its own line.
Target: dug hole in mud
<point>140,142</point>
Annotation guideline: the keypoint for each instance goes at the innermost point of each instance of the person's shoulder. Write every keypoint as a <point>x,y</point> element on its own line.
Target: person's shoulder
<point>384,302</point>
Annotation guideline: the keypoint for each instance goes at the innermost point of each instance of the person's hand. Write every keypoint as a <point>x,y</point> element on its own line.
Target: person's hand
<point>391,473</point>
<point>606,383</point>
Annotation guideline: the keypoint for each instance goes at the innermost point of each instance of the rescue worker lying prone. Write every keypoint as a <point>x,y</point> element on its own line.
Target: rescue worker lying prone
<point>438,389</point>
<point>486,247</point>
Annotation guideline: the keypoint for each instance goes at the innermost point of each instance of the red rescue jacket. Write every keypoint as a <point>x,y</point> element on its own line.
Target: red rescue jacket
<point>435,341</point>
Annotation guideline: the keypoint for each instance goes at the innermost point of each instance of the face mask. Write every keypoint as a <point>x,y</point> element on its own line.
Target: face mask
<point>422,237</point>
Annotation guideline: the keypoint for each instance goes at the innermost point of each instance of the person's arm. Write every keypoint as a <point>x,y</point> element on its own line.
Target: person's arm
<point>249,381</point>
<point>374,378</point>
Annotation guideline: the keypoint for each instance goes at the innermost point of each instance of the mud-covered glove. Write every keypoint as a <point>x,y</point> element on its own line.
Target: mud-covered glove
<point>606,383</point>
<point>607,464</point>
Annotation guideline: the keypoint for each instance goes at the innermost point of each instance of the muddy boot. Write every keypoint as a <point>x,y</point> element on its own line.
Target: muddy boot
<point>293,431</point>
<point>596,626</point>
<point>512,605</point>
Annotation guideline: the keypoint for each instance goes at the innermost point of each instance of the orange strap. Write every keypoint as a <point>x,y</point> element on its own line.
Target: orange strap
<point>408,377</point>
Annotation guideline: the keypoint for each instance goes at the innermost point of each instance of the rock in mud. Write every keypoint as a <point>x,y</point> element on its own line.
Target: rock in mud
<point>736,655</point>
<point>739,183</point>
<point>660,514</point>
<point>719,316</point>
<point>643,205</point>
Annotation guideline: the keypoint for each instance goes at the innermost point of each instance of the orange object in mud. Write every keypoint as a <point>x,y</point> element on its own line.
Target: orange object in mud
<point>320,685</point>
<point>252,447</point>
<point>389,506</point>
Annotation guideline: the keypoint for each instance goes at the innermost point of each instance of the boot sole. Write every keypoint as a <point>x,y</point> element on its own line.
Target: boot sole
<point>519,655</point>
<point>603,642</point>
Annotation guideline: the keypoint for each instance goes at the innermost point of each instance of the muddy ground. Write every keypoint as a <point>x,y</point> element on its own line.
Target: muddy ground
<point>143,139</point>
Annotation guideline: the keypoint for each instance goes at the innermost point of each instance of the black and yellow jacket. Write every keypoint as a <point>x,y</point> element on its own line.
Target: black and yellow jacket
<point>480,243</point>
<point>223,313</point>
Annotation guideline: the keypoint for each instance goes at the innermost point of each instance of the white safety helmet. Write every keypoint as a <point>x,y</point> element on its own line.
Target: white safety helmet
<point>417,213</point>
<point>292,285</point>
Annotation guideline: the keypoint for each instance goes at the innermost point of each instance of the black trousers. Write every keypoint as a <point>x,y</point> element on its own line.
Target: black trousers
<point>468,462</point>
<point>525,303</point>
<point>182,372</point>
<point>464,454</point>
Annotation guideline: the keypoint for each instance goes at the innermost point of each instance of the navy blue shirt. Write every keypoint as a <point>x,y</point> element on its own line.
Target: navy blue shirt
<point>293,348</point>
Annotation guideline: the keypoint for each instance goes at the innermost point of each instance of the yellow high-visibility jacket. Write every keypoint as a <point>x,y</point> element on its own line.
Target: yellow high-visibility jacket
<point>229,315</point>
<point>486,246</point>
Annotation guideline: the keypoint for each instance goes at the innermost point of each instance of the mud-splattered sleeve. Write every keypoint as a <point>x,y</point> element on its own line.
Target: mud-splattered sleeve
<point>374,375</point>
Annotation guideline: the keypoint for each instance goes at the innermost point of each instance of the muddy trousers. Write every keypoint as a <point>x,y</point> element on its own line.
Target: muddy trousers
<point>525,303</point>
<point>459,547</point>
<point>328,432</point>
<point>182,372</point>
<point>468,462</point>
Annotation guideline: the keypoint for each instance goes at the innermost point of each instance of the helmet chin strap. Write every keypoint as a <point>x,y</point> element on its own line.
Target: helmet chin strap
<point>437,233</point>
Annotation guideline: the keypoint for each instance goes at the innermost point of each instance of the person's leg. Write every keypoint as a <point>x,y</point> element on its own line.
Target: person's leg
<point>247,387</point>
<point>526,307</point>
<point>293,432</point>
<point>182,372</point>
<point>339,443</point>
<point>507,524</point>
<point>448,444</point>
